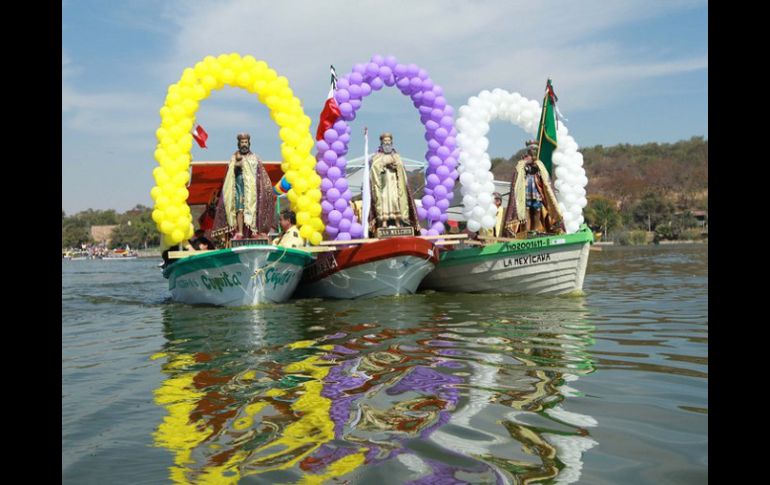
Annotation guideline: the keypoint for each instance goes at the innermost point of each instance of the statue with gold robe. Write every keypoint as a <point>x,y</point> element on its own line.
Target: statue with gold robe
<point>247,204</point>
<point>532,205</point>
<point>392,202</point>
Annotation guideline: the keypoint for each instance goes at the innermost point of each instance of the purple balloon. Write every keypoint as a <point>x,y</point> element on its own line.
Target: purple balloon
<point>437,91</point>
<point>329,156</point>
<point>439,102</point>
<point>341,163</point>
<point>403,83</point>
<point>443,204</point>
<point>321,145</point>
<point>340,126</point>
<point>439,192</point>
<point>424,232</point>
<point>321,167</point>
<point>399,70</point>
<point>449,183</point>
<point>356,78</point>
<point>345,109</point>
<point>433,180</point>
<point>372,69</point>
<point>355,91</point>
<point>344,138</point>
<point>443,218</point>
<point>356,230</point>
<point>347,213</point>
<point>415,83</point>
<point>450,162</point>
<point>338,147</point>
<point>434,162</point>
<point>334,217</point>
<point>344,225</point>
<point>334,173</point>
<point>443,152</point>
<point>343,83</point>
<point>332,231</point>
<point>428,201</point>
<point>341,204</point>
<point>431,232</point>
<point>412,70</point>
<point>438,227</point>
<point>428,97</point>
<point>434,213</point>
<point>344,236</point>
<point>332,195</point>
<point>431,125</point>
<point>366,90</point>
<point>442,171</point>
<point>427,84</point>
<point>330,135</point>
<point>390,80</point>
<point>377,84</point>
<point>422,213</point>
<point>360,68</point>
<point>341,184</point>
<point>428,191</point>
<point>378,59</point>
<point>422,74</point>
<point>326,206</point>
<point>385,72</point>
<point>326,184</point>
<point>347,195</point>
<point>341,95</point>
<point>434,144</point>
<point>390,61</point>
<point>355,103</point>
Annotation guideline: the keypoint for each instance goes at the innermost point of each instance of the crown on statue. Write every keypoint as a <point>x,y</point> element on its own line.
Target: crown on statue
<point>244,136</point>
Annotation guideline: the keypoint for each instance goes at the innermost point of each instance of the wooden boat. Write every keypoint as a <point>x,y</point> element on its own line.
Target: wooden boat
<point>376,267</point>
<point>541,265</point>
<point>240,276</point>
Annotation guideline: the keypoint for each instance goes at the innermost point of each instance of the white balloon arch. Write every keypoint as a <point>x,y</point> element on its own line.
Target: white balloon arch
<point>476,179</point>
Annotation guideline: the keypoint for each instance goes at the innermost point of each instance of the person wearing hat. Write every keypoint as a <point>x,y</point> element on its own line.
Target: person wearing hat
<point>247,193</point>
<point>532,204</point>
<point>392,202</point>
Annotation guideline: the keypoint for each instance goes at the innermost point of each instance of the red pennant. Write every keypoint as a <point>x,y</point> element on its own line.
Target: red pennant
<point>200,136</point>
<point>329,115</point>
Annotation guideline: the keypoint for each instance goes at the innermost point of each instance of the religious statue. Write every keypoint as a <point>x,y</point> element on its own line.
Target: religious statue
<point>392,202</point>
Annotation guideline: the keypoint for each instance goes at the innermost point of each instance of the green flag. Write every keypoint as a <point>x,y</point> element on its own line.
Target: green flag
<point>546,136</point>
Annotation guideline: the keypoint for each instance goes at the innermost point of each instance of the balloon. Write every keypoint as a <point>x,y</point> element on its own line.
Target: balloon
<point>334,217</point>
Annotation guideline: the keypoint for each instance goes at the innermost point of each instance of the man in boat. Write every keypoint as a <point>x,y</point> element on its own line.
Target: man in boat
<point>392,202</point>
<point>497,229</point>
<point>290,237</point>
<point>247,205</point>
<point>532,205</point>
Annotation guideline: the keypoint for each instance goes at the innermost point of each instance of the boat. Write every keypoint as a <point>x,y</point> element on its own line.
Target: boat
<point>77,255</point>
<point>546,265</point>
<point>380,267</point>
<point>238,276</point>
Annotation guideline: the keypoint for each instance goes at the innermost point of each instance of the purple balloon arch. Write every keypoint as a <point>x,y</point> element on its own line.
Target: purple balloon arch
<point>436,115</point>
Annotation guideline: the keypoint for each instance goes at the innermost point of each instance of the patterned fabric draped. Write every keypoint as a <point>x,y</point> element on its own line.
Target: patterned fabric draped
<point>516,212</point>
<point>259,212</point>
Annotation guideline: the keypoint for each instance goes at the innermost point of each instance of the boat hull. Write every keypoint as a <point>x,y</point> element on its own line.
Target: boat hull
<point>552,265</point>
<point>243,276</point>
<point>389,267</point>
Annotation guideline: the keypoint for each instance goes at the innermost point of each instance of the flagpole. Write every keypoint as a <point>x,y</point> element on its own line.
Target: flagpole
<point>365,191</point>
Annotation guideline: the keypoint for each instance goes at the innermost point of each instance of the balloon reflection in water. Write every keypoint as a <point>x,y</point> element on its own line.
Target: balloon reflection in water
<point>315,409</point>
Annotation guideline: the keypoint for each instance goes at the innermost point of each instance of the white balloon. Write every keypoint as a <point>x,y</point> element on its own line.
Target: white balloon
<point>487,222</point>
<point>473,225</point>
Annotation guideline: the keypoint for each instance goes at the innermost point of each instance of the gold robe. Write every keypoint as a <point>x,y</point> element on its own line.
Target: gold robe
<point>390,199</point>
<point>516,214</point>
<point>259,201</point>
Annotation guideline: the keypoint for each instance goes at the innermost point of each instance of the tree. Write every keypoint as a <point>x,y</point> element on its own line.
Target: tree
<point>602,214</point>
<point>651,211</point>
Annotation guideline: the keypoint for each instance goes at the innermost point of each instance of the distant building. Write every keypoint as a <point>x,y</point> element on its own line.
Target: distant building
<point>102,234</point>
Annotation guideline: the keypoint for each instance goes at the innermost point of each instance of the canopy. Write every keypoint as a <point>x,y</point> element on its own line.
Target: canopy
<point>208,177</point>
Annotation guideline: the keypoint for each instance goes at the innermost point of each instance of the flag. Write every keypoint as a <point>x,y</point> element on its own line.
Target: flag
<point>366,196</point>
<point>331,111</point>
<point>546,136</point>
<point>200,136</point>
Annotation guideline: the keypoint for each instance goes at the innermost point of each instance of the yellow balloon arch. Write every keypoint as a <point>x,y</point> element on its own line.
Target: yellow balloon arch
<point>171,212</point>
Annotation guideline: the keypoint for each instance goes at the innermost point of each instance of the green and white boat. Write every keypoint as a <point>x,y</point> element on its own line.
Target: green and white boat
<point>548,265</point>
<point>240,276</point>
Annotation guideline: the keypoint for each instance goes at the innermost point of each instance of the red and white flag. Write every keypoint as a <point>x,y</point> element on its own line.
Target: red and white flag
<point>200,136</point>
<point>331,111</point>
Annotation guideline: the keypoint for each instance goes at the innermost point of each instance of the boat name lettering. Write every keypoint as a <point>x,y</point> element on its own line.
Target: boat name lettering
<point>324,263</point>
<point>526,244</point>
<point>187,283</point>
<point>220,282</point>
<point>528,259</point>
<point>276,278</point>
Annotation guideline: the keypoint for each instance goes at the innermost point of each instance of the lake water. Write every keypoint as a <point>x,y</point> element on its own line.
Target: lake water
<point>611,387</point>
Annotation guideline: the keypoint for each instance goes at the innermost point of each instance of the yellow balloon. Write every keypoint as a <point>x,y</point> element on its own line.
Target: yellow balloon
<point>157,216</point>
<point>177,236</point>
<point>303,218</point>
<point>305,231</point>
<point>315,210</point>
<point>316,238</point>
<point>166,226</point>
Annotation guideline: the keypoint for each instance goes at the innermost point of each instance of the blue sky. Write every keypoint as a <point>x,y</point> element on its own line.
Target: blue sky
<point>625,71</point>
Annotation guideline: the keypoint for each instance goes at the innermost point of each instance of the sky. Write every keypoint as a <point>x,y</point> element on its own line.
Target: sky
<point>625,71</point>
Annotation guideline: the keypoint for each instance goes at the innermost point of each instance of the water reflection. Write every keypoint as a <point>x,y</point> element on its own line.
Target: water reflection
<point>422,392</point>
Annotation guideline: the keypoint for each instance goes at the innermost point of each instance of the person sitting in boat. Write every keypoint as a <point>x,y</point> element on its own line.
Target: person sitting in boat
<point>290,237</point>
<point>532,205</point>
<point>247,205</point>
<point>392,202</point>
<point>199,242</point>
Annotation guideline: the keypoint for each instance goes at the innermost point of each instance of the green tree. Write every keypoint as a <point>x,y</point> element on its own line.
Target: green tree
<point>74,232</point>
<point>651,211</point>
<point>602,214</point>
